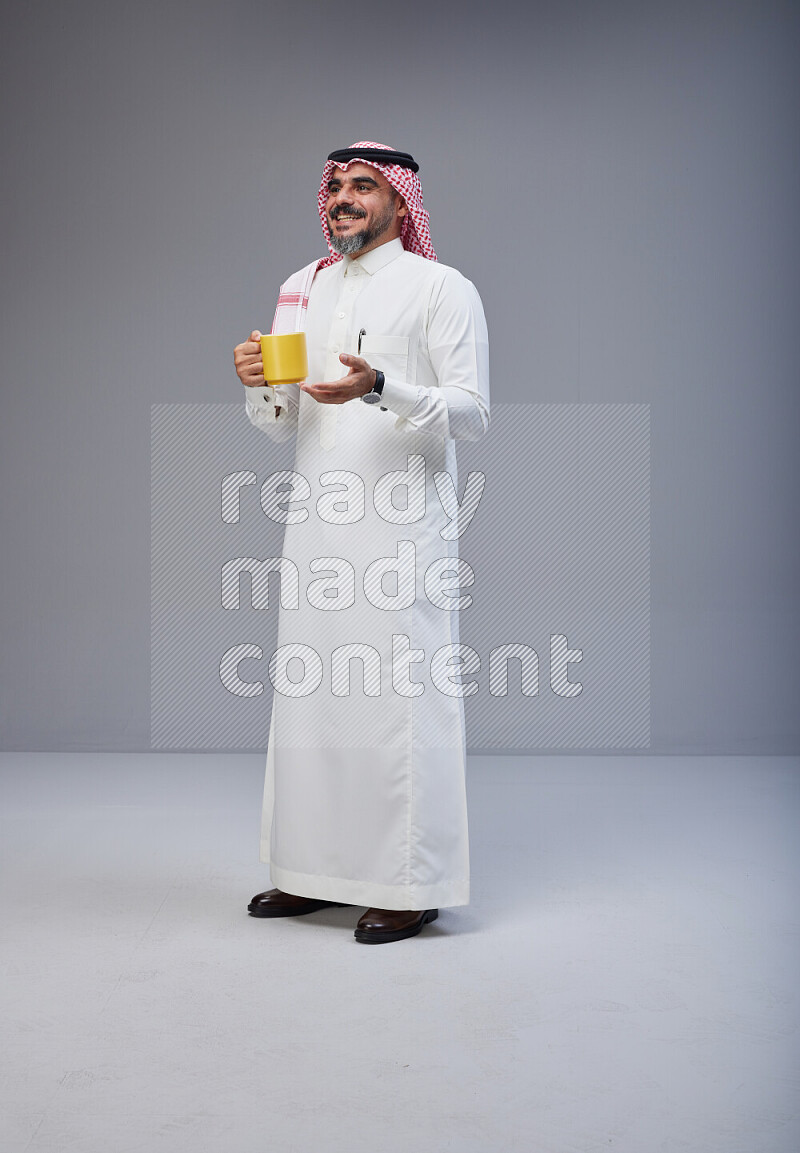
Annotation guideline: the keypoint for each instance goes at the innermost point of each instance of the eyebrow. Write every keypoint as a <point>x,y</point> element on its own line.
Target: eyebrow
<point>356,180</point>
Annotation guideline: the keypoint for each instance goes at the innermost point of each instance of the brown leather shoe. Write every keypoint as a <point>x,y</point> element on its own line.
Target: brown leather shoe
<point>380,925</point>
<point>274,903</point>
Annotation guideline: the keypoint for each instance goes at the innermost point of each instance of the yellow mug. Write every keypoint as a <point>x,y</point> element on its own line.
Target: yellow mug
<point>284,357</point>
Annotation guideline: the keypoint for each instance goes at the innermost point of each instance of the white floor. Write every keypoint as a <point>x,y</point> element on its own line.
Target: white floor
<point>624,979</point>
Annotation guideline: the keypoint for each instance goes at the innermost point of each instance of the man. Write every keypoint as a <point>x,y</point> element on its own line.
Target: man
<point>364,797</point>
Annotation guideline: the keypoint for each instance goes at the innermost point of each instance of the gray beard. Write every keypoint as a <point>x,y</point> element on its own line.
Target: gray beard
<point>350,245</point>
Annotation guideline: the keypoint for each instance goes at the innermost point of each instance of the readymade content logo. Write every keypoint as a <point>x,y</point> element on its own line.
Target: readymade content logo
<point>519,581</point>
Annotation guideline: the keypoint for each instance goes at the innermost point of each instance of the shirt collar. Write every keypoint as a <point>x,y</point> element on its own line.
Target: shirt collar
<point>378,258</point>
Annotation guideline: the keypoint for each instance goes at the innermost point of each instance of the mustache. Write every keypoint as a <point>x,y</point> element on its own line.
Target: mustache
<point>346,210</point>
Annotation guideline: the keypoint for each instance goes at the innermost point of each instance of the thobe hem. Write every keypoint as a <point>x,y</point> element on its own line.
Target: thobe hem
<point>443,895</point>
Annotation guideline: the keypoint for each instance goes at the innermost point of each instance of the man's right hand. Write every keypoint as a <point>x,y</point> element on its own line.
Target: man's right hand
<point>247,359</point>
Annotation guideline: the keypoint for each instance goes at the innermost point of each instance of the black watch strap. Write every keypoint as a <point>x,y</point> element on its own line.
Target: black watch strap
<point>375,393</point>
<point>380,381</point>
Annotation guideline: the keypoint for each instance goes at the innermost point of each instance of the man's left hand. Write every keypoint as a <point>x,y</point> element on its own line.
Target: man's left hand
<point>358,382</point>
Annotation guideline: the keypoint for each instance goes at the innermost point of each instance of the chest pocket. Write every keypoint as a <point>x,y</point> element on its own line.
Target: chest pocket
<point>388,353</point>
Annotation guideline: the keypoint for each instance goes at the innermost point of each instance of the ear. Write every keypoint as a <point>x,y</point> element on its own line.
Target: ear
<point>402,207</point>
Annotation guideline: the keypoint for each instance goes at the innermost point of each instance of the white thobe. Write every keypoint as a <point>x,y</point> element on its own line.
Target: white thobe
<point>364,797</point>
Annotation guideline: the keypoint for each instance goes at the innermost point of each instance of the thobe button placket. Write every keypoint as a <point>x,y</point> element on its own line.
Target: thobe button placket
<point>337,341</point>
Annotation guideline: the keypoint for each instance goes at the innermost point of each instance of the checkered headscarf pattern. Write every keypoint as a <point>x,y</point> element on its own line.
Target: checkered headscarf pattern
<point>415,234</point>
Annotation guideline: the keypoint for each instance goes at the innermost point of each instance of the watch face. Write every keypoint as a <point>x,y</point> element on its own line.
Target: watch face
<point>371,398</point>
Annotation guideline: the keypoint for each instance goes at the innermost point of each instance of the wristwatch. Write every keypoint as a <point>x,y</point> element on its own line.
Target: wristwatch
<point>377,390</point>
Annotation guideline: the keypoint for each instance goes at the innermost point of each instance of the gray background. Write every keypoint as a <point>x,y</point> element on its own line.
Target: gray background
<point>619,180</point>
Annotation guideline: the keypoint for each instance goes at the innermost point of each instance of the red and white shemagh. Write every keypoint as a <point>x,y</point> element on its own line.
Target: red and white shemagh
<point>415,235</point>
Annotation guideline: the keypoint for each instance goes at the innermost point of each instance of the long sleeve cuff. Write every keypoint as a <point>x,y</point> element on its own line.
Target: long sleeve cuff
<point>399,397</point>
<point>262,404</point>
<point>449,411</point>
<point>262,400</point>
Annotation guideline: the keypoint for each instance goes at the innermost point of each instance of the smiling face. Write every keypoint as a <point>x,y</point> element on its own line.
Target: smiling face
<point>363,210</point>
